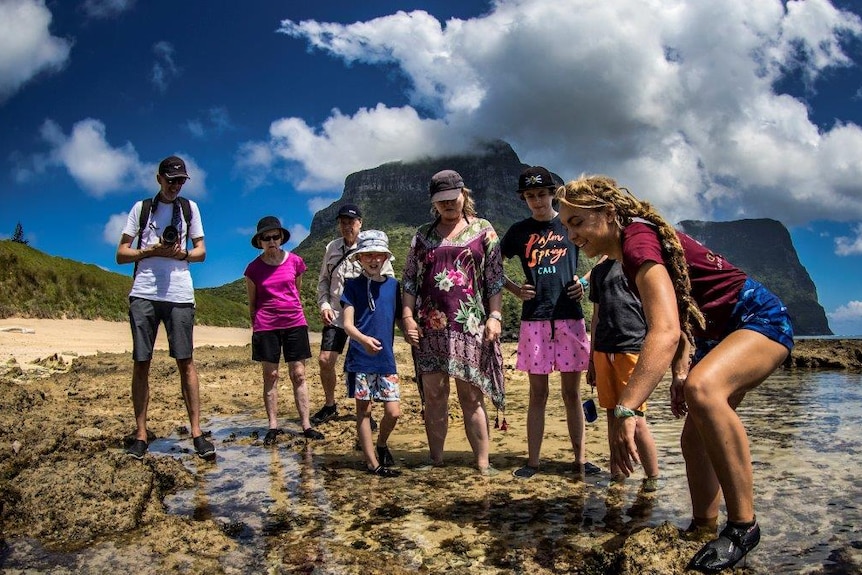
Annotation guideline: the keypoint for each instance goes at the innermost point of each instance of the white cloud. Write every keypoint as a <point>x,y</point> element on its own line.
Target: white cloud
<point>318,203</point>
<point>847,319</point>
<point>95,165</point>
<point>27,47</point>
<point>298,232</point>
<point>196,128</point>
<point>679,109</point>
<point>113,229</point>
<point>214,121</point>
<point>850,246</point>
<point>165,68</point>
<point>100,168</point>
<point>103,9</point>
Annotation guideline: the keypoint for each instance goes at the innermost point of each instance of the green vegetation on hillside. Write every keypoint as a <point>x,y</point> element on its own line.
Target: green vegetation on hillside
<point>35,284</point>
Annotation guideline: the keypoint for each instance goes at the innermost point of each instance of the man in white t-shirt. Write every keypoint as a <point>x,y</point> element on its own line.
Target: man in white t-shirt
<point>162,292</point>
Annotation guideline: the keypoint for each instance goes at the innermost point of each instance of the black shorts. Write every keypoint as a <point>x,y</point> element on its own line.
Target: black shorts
<point>333,339</point>
<point>268,345</point>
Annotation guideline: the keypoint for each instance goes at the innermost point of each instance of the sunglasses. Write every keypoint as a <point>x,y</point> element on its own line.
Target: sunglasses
<point>274,238</point>
<point>176,181</point>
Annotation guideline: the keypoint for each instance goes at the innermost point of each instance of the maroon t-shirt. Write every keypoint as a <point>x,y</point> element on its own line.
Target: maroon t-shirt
<point>715,282</point>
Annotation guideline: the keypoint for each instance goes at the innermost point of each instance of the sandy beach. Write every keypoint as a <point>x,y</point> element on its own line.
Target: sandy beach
<point>28,339</point>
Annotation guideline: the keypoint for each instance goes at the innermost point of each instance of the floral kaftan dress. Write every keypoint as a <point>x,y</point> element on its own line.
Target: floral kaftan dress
<point>452,281</point>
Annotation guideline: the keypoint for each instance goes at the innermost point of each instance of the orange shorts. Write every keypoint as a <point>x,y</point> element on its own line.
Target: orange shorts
<point>613,371</point>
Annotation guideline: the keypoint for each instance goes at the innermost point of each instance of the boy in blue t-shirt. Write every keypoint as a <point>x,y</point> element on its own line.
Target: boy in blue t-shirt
<point>371,303</point>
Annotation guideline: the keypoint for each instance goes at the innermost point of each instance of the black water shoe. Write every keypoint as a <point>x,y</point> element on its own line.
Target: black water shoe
<point>733,543</point>
<point>204,448</point>
<point>137,449</point>
<point>271,437</point>
<point>384,456</point>
<point>324,414</point>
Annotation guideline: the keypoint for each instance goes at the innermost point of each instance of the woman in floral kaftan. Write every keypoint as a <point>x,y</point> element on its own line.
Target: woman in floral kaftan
<point>453,281</point>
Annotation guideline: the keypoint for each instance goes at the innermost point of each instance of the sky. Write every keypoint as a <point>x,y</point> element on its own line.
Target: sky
<point>717,110</point>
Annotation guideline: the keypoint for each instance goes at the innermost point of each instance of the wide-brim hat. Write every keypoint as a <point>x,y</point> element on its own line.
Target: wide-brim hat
<point>446,185</point>
<point>268,224</point>
<point>371,241</point>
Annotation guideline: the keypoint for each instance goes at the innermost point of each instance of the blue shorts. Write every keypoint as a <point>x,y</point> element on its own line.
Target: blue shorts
<point>757,309</point>
<point>373,386</point>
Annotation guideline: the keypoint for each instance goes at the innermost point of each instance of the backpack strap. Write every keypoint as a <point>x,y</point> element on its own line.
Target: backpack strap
<point>186,207</point>
<point>148,206</point>
<point>343,257</point>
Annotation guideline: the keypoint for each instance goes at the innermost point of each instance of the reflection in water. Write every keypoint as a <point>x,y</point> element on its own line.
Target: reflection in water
<point>292,510</point>
<point>804,431</point>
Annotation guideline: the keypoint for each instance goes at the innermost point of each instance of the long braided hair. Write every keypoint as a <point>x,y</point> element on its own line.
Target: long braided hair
<point>602,192</point>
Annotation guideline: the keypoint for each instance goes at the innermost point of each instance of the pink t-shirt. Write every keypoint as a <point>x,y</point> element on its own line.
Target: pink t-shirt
<point>277,303</point>
<point>715,282</point>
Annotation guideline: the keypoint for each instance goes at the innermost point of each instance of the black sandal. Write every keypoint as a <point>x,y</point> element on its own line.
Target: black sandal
<point>271,436</point>
<point>733,543</point>
<point>381,471</point>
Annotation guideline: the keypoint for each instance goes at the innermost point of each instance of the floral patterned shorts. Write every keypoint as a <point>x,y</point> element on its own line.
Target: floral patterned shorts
<point>373,386</point>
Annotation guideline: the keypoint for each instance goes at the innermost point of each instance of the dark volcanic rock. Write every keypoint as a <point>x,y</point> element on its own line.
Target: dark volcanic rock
<point>764,250</point>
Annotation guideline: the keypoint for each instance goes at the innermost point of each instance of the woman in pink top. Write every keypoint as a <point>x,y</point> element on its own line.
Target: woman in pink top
<point>273,280</point>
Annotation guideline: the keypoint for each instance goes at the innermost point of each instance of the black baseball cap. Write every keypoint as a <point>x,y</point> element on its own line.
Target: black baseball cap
<point>173,167</point>
<point>535,177</point>
<point>349,211</point>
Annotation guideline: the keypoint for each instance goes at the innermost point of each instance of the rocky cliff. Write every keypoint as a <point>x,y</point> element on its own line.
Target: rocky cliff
<point>763,249</point>
<point>394,197</point>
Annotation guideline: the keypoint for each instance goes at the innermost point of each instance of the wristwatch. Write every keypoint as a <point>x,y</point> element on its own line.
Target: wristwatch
<point>622,412</point>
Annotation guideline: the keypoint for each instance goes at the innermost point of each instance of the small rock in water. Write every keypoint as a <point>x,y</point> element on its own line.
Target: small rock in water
<point>16,446</point>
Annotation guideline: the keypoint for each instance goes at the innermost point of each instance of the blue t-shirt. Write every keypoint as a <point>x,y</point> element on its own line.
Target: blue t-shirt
<point>379,322</point>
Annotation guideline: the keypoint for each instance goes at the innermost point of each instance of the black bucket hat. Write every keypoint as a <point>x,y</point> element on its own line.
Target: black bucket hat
<point>268,224</point>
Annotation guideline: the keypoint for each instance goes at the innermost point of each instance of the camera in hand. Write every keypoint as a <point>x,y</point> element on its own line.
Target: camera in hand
<point>170,236</point>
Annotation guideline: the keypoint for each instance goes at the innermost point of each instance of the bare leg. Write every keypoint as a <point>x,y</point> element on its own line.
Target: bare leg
<point>703,484</point>
<point>713,390</point>
<point>327,361</point>
<point>616,472</point>
<point>472,403</point>
<point>536,417</point>
<point>436,387</point>
<point>571,388</point>
<point>270,392</point>
<point>141,396</point>
<point>191,393</point>
<point>363,433</point>
<point>646,447</point>
<point>391,413</point>
<point>300,391</point>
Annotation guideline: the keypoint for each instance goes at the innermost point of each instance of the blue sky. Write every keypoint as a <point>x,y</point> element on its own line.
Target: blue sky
<point>711,110</point>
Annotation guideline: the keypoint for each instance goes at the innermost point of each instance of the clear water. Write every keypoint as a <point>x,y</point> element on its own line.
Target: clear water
<point>806,439</point>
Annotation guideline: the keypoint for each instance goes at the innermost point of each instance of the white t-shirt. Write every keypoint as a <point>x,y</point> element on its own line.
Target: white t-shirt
<point>157,278</point>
